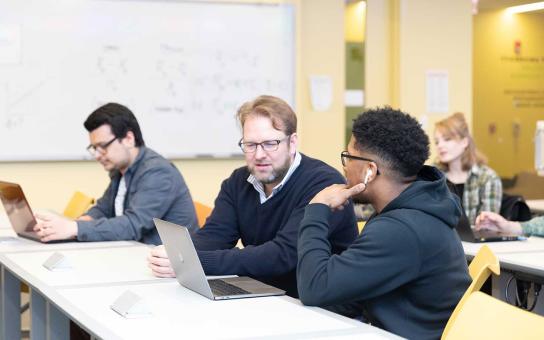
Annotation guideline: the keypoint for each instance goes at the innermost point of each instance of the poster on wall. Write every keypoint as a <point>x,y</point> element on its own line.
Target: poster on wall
<point>437,95</point>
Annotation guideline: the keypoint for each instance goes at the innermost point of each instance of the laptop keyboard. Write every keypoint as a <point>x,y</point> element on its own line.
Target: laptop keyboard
<point>222,288</point>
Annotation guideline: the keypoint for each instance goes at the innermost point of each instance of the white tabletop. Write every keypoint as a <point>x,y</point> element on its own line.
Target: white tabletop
<point>536,206</point>
<point>527,262</point>
<point>178,312</point>
<point>531,244</point>
<point>9,242</point>
<point>104,264</point>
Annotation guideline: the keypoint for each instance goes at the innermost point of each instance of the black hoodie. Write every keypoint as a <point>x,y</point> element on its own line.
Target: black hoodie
<point>405,272</point>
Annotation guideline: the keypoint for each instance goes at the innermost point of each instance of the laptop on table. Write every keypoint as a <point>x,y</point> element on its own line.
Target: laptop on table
<point>190,274</point>
<point>467,234</point>
<point>18,210</point>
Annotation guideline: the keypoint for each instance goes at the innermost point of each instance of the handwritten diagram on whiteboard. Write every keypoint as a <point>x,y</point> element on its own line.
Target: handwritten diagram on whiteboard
<point>182,68</point>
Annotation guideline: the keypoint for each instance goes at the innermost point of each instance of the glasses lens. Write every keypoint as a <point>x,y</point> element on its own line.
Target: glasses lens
<point>270,145</point>
<point>248,147</point>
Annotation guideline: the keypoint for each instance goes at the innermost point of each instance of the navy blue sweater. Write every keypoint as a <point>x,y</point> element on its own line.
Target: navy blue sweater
<point>268,231</point>
<point>407,269</point>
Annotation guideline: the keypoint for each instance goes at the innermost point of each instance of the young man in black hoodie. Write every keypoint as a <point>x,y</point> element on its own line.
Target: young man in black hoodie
<point>406,271</point>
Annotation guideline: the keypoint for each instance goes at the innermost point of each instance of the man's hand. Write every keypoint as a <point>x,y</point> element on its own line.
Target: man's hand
<point>492,221</point>
<point>52,227</point>
<point>158,262</point>
<point>337,195</point>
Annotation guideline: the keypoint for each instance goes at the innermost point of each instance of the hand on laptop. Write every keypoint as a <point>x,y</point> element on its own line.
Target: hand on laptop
<point>52,227</point>
<point>159,263</point>
<point>492,221</point>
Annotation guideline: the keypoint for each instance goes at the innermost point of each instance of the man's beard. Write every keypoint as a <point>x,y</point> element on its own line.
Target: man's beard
<point>276,175</point>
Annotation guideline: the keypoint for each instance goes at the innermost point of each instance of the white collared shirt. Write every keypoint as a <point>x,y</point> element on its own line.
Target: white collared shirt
<point>120,197</point>
<point>260,188</point>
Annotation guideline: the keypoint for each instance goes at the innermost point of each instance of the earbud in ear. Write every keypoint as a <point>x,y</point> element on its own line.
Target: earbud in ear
<point>367,176</point>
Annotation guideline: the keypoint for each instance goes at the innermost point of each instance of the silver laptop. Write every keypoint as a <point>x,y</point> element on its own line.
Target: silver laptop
<point>18,210</point>
<point>189,272</point>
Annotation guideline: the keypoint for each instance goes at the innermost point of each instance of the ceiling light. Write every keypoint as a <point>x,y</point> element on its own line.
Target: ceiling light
<point>536,6</point>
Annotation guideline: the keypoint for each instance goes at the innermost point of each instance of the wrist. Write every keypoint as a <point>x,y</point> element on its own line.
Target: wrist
<point>515,227</point>
<point>74,229</point>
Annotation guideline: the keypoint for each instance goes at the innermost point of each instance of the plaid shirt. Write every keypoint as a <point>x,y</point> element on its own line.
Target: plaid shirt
<point>483,192</point>
<point>534,226</point>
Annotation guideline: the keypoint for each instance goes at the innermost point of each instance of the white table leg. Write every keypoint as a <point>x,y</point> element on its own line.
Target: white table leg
<point>58,325</point>
<point>37,316</point>
<point>10,306</point>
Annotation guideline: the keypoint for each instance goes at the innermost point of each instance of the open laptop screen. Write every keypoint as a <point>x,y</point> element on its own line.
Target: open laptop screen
<point>17,208</point>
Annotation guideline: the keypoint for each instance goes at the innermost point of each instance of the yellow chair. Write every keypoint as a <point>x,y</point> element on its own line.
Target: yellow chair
<point>202,212</point>
<point>481,267</point>
<point>78,205</point>
<point>485,317</point>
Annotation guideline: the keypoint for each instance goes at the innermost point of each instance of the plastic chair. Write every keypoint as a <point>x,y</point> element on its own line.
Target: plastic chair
<point>78,205</point>
<point>483,264</point>
<point>485,317</point>
<point>202,212</point>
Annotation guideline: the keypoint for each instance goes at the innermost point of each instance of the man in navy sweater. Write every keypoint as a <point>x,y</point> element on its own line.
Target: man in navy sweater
<point>406,271</point>
<point>263,203</point>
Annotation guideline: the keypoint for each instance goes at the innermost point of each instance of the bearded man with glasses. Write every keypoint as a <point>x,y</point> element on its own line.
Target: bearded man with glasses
<point>143,185</point>
<point>263,203</point>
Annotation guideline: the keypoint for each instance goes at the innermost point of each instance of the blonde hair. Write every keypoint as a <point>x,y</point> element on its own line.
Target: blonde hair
<point>456,127</point>
<point>277,110</point>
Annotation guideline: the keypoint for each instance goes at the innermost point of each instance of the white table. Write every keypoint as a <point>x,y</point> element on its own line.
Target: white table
<point>536,206</point>
<point>177,312</point>
<point>520,259</point>
<point>531,244</point>
<point>21,261</point>
<point>103,271</point>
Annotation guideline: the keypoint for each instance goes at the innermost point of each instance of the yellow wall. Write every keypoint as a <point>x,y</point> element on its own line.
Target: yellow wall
<point>320,50</point>
<point>355,21</point>
<point>407,38</point>
<point>501,81</point>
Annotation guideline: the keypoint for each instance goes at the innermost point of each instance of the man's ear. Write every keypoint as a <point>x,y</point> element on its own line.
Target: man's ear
<point>293,143</point>
<point>369,174</point>
<point>129,140</point>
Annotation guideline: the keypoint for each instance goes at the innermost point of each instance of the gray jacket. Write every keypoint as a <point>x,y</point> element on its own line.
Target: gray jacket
<point>155,188</point>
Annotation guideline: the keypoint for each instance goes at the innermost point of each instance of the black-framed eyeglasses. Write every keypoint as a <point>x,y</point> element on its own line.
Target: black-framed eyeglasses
<point>100,147</point>
<point>345,155</point>
<point>267,145</point>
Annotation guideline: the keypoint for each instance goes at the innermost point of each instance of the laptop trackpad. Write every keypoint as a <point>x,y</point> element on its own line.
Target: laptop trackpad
<point>249,284</point>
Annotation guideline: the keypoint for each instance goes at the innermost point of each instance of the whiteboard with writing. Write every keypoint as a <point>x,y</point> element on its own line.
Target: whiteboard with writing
<point>183,68</point>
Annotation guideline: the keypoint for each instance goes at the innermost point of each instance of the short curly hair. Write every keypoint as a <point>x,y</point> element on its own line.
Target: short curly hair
<point>394,136</point>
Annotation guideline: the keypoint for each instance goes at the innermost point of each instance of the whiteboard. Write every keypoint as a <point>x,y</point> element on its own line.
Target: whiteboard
<point>183,68</point>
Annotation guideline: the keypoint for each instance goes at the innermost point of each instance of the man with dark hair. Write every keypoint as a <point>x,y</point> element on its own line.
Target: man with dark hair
<point>143,185</point>
<point>406,271</point>
<point>263,203</point>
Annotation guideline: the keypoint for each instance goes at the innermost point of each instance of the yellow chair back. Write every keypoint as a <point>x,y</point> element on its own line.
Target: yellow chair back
<point>485,317</point>
<point>202,212</point>
<point>481,267</point>
<point>78,205</point>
